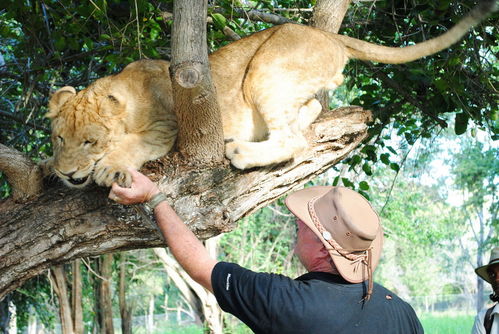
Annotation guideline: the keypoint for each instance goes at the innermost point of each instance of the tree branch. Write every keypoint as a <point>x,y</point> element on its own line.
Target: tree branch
<point>254,15</point>
<point>23,175</point>
<point>408,97</point>
<point>63,224</point>
<point>19,120</point>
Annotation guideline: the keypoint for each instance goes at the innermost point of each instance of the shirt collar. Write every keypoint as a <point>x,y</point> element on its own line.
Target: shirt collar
<point>327,277</point>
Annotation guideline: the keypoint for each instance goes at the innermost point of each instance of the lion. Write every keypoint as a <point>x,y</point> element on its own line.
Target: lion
<point>119,121</point>
<point>266,85</point>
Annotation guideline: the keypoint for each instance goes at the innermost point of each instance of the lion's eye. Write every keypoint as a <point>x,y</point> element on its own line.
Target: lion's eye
<point>89,142</point>
<point>60,139</point>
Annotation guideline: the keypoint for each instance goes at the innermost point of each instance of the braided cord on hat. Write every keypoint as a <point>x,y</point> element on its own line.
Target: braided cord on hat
<point>366,257</point>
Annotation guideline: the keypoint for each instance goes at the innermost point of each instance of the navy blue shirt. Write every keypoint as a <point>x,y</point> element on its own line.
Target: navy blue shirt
<point>314,303</point>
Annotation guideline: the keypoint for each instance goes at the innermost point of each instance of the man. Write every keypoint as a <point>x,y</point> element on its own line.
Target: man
<point>487,320</point>
<point>339,242</point>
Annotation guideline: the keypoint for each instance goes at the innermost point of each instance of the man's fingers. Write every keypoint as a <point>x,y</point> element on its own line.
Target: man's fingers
<point>116,192</point>
<point>113,196</point>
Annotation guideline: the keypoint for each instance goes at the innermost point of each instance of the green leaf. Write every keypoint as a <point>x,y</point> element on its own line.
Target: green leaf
<point>385,158</point>
<point>154,33</point>
<point>219,20</point>
<point>391,149</point>
<point>336,180</point>
<point>367,169</point>
<point>395,166</point>
<point>346,182</point>
<point>60,44</point>
<point>364,185</point>
<point>441,84</point>
<point>461,123</point>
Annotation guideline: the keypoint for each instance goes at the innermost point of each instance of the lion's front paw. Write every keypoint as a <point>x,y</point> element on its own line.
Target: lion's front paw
<point>106,175</point>
<point>47,166</point>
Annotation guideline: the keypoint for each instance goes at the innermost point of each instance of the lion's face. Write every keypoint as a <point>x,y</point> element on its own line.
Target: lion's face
<point>81,134</point>
<point>77,151</point>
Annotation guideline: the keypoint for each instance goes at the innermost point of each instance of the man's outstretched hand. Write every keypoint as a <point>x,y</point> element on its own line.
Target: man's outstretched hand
<point>184,245</point>
<point>141,190</point>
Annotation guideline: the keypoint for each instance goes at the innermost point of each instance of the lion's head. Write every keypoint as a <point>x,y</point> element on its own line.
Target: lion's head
<point>85,126</point>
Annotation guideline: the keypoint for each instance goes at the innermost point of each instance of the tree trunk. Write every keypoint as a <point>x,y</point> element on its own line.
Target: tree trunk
<point>76,298</point>
<point>200,137</point>
<point>125,309</point>
<point>63,224</point>
<point>96,283</point>
<point>200,299</point>
<point>59,283</point>
<point>328,15</point>
<point>4,315</point>
<point>105,294</point>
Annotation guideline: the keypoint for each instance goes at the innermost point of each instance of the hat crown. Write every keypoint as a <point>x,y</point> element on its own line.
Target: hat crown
<point>494,255</point>
<point>349,218</point>
<point>362,242</point>
<point>494,260</point>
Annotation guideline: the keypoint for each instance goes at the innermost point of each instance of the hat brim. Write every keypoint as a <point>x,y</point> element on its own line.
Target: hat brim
<point>297,203</point>
<point>482,271</point>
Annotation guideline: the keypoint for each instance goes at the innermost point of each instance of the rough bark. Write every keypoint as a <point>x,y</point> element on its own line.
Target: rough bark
<point>200,299</point>
<point>125,309</point>
<point>200,137</point>
<point>59,284</point>
<point>105,295</point>
<point>328,14</point>
<point>24,177</point>
<point>76,298</point>
<point>64,224</point>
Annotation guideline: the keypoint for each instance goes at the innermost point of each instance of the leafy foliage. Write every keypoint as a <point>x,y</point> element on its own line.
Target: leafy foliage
<point>48,44</point>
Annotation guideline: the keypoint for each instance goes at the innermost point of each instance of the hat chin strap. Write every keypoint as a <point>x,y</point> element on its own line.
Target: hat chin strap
<point>365,258</point>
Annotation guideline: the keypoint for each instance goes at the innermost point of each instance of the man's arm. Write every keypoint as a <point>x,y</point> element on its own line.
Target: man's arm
<point>184,245</point>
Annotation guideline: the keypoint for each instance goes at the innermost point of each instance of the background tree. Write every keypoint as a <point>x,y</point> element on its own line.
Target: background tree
<point>48,44</point>
<point>475,167</point>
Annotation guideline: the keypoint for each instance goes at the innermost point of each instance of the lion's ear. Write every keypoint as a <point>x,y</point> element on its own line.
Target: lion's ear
<point>58,99</point>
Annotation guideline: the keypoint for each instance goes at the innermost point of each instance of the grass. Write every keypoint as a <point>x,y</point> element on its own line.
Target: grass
<point>433,323</point>
<point>447,323</point>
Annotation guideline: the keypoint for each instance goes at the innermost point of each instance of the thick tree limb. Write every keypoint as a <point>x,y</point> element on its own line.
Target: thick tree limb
<point>63,224</point>
<point>23,175</point>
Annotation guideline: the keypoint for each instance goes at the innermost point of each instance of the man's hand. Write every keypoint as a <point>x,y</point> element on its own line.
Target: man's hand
<point>141,190</point>
<point>185,246</point>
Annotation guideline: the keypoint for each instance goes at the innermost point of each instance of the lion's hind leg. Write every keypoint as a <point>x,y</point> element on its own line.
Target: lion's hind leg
<point>284,141</point>
<point>280,147</point>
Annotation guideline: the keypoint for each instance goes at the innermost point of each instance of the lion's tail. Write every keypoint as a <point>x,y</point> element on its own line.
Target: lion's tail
<point>393,55</point>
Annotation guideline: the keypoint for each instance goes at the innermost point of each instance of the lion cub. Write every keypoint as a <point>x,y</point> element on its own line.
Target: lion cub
<point>119,121</point>
<point>265,85</point>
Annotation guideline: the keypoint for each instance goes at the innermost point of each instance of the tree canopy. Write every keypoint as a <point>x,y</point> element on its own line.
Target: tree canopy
<point>48,44</point>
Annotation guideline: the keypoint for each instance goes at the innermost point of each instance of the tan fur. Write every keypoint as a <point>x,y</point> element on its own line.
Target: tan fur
<point>119,121</point>
<point>265,84</point>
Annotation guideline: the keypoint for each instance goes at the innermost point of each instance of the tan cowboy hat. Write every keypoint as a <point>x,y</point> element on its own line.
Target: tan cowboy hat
<point>346,224</point>
<point>482,271</point>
